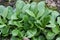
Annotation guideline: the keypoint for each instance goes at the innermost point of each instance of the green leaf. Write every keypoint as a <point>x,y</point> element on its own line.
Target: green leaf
<point>1,26</point>
<point>45,20</point>
<point>50,35</point>
<point>10,22</point>
<point>31,33</point>
<point>36,38</point>
<point>19,5</point>
<point>5,30</point>
<point>10,12</point>
<point>21,34</point>
<point>58,38</point>
<point>54,14</point>
<point>58,20</point>
<point>14,16</point>
<point>26,18</point>
<point>26,7</point>
<point>51,25</point>
<point>30,13</point>
<point>17,23</point>
<point>56,30</point>
<point>5,12</point>
<point>33,5</point>
<point>1,9</point>
<point>1,21</point>
<point>15,32</point>
<point>14,38</point>
<point>41,8</point>
<point>34,8</point>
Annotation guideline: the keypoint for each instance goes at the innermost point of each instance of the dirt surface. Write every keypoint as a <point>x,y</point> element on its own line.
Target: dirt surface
<point>54,3</point>
<point>12,2</point>
<point>7,2</point>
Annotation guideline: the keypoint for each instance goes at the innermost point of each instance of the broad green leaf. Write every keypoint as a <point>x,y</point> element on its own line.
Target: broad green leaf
<point>5,30</point>
<point>5,13</point>
<point>14,16</point>
<point>21,15</point>
<point>47,12</point>
<point>51,25</point>
<point>17,23</point>
<point>27,6</point>
<point>33,5</point>
<point>19,5</point>
<point>41,37</point>
<point>1,21</point>
<point>25,18</point>
<point>41,8</point>
<point>54,14</point>
<point>14,38</point>
<point>45,20</point>
<point>2,9</point>
<point>50,35</point>
<point>15,32</point>
<point>30,13</point>
<point>10,22</point>
<point>31,33</point>
<point>58,20</point>
<point>1,26</point>
<point>10,12</point>
<point>58,38</point>
<point>36,38</point>
<point>34,8</point>
<point>21,34</point>
<point>56,30</point>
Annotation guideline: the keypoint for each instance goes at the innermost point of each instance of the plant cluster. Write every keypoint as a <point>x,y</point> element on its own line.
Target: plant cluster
<point>29,22</point>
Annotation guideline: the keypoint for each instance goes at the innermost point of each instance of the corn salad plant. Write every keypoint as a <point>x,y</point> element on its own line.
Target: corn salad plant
<point>29,22</point>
